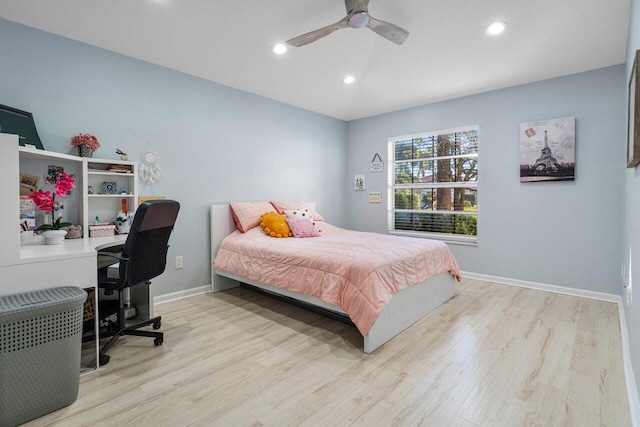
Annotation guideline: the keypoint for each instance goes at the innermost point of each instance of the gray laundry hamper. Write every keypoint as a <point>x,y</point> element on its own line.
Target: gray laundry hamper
<point>40,346</point>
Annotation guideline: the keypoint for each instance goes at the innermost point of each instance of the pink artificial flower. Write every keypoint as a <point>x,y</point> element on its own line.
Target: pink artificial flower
<point>43,200</point>
<point>85,139</point>
<point>47,202</point>
<point>65,184</point>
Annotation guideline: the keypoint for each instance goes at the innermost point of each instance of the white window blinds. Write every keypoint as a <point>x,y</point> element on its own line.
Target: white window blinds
<point>433,184</point>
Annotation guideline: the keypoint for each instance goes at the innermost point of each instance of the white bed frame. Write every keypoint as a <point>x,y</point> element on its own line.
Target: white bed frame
<point>405,308</point>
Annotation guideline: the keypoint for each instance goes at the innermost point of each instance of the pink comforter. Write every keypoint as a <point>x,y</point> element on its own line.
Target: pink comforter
<point>358,272</point>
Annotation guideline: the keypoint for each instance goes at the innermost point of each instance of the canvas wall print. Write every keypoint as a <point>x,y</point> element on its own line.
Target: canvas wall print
<point>548,150</point>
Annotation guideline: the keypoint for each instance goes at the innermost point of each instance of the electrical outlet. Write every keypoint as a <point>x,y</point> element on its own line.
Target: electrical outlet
<point>179,262</point>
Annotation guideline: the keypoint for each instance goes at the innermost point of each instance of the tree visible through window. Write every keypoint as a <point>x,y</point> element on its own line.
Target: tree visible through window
<point>433,183</point>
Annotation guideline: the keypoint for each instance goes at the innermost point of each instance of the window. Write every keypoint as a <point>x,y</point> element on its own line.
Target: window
<point>433,184</point>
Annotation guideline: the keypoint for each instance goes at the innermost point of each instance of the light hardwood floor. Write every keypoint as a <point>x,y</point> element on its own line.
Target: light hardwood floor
<point>493,355</point>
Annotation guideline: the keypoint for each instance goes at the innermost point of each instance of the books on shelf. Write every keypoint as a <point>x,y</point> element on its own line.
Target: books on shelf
<point>119,168</point>
<point>113,168</point>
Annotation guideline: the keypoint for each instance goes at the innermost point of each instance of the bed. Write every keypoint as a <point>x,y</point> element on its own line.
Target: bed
<point>400,307</point>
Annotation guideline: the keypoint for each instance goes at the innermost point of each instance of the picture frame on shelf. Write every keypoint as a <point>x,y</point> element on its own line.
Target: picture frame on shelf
<point>633,116</point>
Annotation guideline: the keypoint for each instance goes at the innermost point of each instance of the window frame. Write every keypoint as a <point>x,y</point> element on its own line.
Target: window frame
<point>392,187</point>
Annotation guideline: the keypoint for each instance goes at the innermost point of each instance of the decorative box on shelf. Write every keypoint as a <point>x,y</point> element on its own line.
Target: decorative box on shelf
<point>102,230</point>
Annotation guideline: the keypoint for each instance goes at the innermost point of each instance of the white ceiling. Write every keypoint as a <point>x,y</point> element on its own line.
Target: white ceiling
<point>447,54</point>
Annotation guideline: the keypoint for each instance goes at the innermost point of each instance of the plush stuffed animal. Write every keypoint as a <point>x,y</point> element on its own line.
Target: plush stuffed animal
<point>275,225</point>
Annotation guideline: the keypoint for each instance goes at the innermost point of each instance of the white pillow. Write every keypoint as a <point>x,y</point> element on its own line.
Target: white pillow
<point>299,213</point>
<point>283,206</point>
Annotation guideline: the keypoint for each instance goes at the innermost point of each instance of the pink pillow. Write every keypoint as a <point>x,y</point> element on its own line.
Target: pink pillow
<point>247,214</point>
<point>288,206</point>
<point>302,228</point>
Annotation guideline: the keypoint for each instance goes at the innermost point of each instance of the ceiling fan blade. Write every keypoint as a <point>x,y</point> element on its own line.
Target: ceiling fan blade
<point>356,5</point>
<point>319,33</point>
<point>388,30</point>
<point>362,6</point>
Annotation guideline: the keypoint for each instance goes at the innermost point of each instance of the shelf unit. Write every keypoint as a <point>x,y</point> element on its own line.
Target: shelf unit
<point>36,162</point>
<point>105,206</point>
<point>82,207</point>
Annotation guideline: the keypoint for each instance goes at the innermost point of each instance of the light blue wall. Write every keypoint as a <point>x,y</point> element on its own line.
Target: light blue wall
<point>214,144</point>
<point>559,233</point>
<point>631,232</point>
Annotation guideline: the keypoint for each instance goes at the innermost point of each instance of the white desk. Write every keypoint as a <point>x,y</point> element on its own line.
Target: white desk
<point>25,268</point>
<point>73,263</point>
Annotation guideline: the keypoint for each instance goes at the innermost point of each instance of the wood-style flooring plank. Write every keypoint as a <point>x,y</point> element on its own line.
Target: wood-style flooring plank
<point>494,355</point>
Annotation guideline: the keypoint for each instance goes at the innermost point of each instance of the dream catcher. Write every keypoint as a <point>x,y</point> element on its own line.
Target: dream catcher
<point>149,169</point>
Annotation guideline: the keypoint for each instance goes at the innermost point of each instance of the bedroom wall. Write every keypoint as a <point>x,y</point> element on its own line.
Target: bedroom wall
<point>558,233</point>
<point>631,228</point>
<point>214,144</point>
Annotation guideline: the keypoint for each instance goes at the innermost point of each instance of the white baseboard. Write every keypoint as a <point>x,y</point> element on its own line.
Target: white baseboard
<point>602,296</point>
<point>632,390</point>
<point>175,296</point>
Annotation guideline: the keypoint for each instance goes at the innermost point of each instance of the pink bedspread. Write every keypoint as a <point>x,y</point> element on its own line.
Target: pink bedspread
<point>359,272</point>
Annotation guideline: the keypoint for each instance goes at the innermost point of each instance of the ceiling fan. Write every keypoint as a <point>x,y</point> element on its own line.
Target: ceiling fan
<point>357,17</point>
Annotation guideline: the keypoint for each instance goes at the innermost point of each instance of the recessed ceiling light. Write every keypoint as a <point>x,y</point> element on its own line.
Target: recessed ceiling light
<point>349,79</point>
<point>495,28</point>
<point>279,49</point>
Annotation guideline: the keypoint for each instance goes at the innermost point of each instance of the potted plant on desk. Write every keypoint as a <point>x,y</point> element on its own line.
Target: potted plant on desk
<point>53,233</point>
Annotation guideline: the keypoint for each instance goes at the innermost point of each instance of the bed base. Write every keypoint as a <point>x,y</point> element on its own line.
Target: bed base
<point>405,308</point>
<point>342,318</point>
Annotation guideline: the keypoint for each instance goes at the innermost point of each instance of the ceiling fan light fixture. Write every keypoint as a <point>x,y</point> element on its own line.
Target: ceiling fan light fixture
<point>495,28</point>
<point>357,17</point>
<point>349,80</point>
<point>359,20</point>
<point>280,49</point>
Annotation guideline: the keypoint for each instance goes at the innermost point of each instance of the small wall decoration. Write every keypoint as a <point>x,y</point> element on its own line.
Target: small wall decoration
<point>375,197</point>
<point>548,150</point>
<point>358,182</point>
<point>149,168</point>
<point>377,165</point>
<point>633,116</point>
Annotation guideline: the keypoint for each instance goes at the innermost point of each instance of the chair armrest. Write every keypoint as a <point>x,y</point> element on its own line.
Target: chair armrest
<point>124,261</point>
<point>115,255</point>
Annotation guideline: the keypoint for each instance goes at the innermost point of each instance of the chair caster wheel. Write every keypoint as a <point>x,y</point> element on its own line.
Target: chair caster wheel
<point>157,342</point>
<point>156,325</point>
<point>104,359</point>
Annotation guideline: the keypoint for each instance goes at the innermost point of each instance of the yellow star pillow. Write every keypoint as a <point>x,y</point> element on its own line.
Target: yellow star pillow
<point>275,225</point>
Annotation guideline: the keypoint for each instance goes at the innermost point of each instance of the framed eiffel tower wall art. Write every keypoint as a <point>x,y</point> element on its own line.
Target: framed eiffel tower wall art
<point>633,116</point>
<point>548,150</point>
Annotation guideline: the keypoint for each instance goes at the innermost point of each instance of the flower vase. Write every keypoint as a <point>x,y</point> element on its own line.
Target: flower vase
<point>85,150</point>
<point>54,237</point>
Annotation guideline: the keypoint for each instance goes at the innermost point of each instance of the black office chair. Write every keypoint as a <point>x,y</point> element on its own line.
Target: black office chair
<point>143,257</point>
